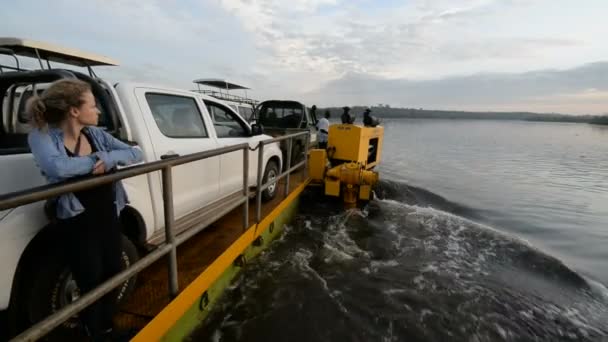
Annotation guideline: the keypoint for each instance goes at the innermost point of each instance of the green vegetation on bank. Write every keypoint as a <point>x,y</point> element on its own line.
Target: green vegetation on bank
<point>411,113</point>
<point>600,120</point>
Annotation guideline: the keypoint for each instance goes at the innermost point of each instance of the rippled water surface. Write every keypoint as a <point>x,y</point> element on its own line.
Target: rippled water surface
<point>544,182</point>
<point>481,231</point>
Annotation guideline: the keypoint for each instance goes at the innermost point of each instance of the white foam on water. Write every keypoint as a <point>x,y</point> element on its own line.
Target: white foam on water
<point>217,336</point>
<point>308,225</point>
<point>574,316</point>
<point>463,223</point>
<point>333,254</point>
<point>419,281</point>
<point>389,333</point>
<point>393,228</point>
<point>302,259</point>
<point>527,314</point>
<point>376,264</point>
<point>432,268</point>
<point>457,220</point>
<point>452,237</point>
<point>395,203</point>
<point>597,287</point>
<point>338,243</point>
<point>424,313</point>
<point>272,264</point>
<point>394,291</point>
<point>501,331</point>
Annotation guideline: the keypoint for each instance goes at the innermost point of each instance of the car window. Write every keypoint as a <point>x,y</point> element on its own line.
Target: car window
<point>23,117</point>
<point>13,132</point>
<point>226,123</point>
<point>246,112</point>
<point>282,115</point>
<point>177,116</point>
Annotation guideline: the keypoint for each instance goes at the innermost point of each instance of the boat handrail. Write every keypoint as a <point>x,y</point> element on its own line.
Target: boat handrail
<point>169,248</point>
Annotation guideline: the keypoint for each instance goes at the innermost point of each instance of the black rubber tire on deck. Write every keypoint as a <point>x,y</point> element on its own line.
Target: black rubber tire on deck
<point>48,279</point>
<point>272,169</point>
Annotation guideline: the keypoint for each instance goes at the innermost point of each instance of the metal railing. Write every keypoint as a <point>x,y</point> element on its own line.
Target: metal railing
<point>9,52</point>
<point>228,97</point>
<point>19,198</point>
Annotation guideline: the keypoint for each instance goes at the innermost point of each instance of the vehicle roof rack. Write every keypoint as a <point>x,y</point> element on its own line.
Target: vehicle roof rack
<point>226,87</point>
<point>219,83</point>
<point>9,52</point>
<point>51,53</point>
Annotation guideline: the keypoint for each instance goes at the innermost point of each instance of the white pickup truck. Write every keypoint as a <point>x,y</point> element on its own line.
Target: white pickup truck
<point>35,280</point>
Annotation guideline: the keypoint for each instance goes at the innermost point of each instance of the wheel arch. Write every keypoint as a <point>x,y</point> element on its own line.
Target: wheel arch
<point>273,158</point>
<point>133,226</point>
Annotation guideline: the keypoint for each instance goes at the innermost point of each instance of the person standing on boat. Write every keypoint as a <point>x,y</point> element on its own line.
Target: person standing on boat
<point>346,117</point>
<point>67,144</point>
<point>369,120</point>
<point>323,127</point>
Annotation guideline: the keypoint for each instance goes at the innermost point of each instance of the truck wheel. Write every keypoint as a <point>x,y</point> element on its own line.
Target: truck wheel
<point>271,173</point>
<point>52,286</point>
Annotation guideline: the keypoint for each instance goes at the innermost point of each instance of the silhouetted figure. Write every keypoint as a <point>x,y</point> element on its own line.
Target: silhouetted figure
<point>313,111</point>
<point>369,120</point>
<point>346,117</point>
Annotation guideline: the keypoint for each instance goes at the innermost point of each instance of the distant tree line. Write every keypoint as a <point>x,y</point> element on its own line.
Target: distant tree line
<point>600,120</point>
<point>385,111</point>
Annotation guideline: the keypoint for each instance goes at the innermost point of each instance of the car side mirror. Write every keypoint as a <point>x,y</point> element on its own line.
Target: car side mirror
<point>257,129</point>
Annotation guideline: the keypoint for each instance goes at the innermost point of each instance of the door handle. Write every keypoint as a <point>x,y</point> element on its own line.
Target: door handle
<point>169,155</point>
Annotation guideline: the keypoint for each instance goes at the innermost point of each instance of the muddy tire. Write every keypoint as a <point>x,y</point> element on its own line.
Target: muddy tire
<point>271,172</point>
<point>51,285</point>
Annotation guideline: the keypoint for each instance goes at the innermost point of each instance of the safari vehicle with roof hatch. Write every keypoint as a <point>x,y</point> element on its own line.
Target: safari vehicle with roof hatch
<point>243,105</point>
<point>163,122</point>
<point>280,117</point>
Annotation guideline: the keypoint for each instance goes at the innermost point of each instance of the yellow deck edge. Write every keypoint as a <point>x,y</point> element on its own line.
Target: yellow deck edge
<point>160,325</point>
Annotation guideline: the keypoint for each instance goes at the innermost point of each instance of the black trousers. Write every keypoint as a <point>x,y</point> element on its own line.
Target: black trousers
<point>94,254</point>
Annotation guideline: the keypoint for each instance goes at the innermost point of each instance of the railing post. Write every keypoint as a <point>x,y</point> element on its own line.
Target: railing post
<point>306,155</point>
<point>168,249</point>
<point>258,194</point>
<point>246,188</point>
<point>169,237</point>
<point>289,147</point>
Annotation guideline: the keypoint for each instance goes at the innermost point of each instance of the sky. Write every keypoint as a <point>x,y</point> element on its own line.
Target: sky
<point>481,55</point>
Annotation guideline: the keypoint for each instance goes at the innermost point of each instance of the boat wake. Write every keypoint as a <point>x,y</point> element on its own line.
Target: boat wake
<point>409,266</point>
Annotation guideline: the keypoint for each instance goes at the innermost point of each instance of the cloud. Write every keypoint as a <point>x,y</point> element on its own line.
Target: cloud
<point>159,41</point>
<point>417,39</point>
<point>309,48</point>
<point>579,90</point>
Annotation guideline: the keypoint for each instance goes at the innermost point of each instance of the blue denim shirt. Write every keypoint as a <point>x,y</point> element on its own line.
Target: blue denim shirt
<point>49,153</point>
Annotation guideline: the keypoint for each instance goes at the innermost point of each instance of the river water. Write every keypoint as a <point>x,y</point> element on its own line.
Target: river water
<point>480,231</point>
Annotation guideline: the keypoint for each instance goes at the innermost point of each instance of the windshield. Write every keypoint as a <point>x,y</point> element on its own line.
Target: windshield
<point>281,114</point>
